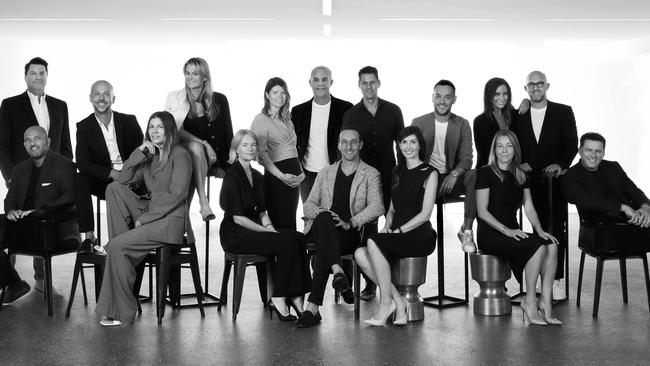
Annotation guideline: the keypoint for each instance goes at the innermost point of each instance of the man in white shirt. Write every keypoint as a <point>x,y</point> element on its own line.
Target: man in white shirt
<point>449,150</point>
<point>105,139</point>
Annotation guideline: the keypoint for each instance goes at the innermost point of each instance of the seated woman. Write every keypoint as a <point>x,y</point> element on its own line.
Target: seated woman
<point>408,232</point>
<point>205,129</point>
<point>138,225</point>
<point>500,188</point>
<point>247,229</point>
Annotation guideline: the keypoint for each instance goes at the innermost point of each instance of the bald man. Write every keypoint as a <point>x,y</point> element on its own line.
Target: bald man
<point>104,140</point>
<point>549,141</point>
<point>318,123</point>
<point>45,179</point>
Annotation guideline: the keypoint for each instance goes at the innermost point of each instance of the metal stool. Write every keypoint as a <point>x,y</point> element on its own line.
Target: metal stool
<point>240,262</point>
<point>407,275</point>
<point>491,273</point>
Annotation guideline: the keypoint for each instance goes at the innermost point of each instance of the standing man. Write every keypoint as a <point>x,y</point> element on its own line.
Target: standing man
<point>449,150</point>
<point>32,108</point>
<point>104,140</point>
<point>379,122</point>
<point>45,179</point>
<point>317,123</point>
<point>549,142</point>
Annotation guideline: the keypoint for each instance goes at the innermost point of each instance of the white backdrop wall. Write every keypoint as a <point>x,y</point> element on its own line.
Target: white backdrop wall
<point>606,82</point>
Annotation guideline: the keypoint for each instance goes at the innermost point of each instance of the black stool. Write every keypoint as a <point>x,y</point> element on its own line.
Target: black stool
<point>86,260</point>
<point>240,262</point>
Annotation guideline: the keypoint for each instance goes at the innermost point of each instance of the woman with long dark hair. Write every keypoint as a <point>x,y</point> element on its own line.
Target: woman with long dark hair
<point>138,225</point>
<point>501,188</point>
<point>247,229</point>
<point>497,115</point>
<point>408,231</point>
<point>278,154</point>
<point>203,120</point>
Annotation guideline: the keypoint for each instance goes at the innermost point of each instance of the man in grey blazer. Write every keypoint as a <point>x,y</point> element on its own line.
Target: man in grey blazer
<point>345,196</point>
<point>449,149</point>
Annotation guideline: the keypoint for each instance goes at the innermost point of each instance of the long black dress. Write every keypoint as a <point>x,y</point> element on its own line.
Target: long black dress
<point>505,199</point>
<point>407,199</point>
<point>238,197</point>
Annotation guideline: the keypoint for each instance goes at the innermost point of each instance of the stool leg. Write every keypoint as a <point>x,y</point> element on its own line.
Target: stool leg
<point>196,278</point>
<point>48,285</point>
<point>139,272</point>
<point>238,286</point>
<point>599,281</point>
<point>99,277</point>
<point>644,258</point>
<point>623,278</point>
<point>163,278</point>
<point>227,265</point>
<point>261,281</point>
<point>466,278</point>
<point>83,285</point>
<point>75,279</point>
<point>356,272</point>
<point>2,297</point>
<point>582,266</point>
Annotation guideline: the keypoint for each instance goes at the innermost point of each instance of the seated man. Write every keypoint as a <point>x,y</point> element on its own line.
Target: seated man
<point>45,179</point>
<point>104,139</point>
<point>16,287</point>
<point>449,150</point>
<point>600,188</point>
<point>345,196</point>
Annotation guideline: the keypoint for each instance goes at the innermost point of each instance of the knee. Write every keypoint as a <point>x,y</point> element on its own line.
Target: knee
<point>195,149</point>
<point>111,190</point>
<point>323,218</point>
<point>361,254</point>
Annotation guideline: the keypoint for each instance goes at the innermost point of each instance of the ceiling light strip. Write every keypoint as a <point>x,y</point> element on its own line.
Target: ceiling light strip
<point>218,19</point>
<point>597,19</point>
<point>54,20</point>
<point>436,19</point>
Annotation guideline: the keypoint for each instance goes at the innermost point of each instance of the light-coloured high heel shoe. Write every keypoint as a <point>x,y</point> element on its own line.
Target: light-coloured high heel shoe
<point>381,322</point>
<point>549,320</point>
<point>402,320</point>
<point>527,319</point>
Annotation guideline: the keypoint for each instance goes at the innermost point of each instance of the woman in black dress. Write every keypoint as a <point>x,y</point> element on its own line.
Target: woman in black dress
<point>497,115</point>
<point>408,231</point>
<point>247,229</point>
<point>203,119</point>
<point>501,187</point>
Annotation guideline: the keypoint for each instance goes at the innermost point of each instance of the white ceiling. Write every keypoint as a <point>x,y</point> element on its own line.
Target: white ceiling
<point>364,19</point>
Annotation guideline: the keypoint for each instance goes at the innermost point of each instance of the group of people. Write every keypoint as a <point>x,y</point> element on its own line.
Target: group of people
<point>338,157</point>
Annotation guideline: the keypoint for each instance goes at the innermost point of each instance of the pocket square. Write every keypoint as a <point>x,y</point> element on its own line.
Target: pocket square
<point>45,184</point>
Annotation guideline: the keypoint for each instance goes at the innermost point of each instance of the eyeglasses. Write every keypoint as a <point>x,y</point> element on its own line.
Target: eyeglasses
<point>538,85</point>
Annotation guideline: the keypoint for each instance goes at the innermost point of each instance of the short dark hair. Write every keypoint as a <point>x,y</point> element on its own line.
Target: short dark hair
<point>593,136</point>
<point>351,128</point>
<point>36,61</point>
<point>369,70</point>
<point>444,82</point>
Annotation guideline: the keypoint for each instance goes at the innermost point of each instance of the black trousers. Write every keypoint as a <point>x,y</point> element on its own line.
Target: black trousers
<point>331,243</point>
<point>8,275</point>
<point>290,270</point>
<point>87,186</point>
<point>282,200</point>
<point>558,216</point>
<point>307,184</point>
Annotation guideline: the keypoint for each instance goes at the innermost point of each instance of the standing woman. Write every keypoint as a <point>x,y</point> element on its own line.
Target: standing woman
<point>497,115</point>
<point>247,229</point>
<point>203,120</point>
<point>408,231</point>
<point>501,187</point>
<point>278,154</point>
<point>136,226</point>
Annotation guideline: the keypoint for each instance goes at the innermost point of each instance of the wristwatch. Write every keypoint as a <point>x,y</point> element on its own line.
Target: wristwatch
<point>454,173</point>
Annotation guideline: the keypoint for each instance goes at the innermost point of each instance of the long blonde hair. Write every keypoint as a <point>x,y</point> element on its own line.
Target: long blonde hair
<point>205,97</point>
<point>513,167</point>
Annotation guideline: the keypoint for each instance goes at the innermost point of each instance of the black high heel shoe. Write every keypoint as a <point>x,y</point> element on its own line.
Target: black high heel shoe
<point>284,318</point>
<point>294,307</point>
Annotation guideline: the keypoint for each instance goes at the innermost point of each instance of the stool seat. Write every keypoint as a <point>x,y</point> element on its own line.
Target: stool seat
<point>491,273</point>
<point>407,275</point>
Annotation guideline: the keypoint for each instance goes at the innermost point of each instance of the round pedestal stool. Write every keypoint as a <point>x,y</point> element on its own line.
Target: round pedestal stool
<point>408,275</point>
<point>491,273</point>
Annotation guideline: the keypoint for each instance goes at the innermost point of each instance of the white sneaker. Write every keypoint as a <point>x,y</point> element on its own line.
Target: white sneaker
<point>559,291</point>
<point>108,322</point>
<point>466,238</point>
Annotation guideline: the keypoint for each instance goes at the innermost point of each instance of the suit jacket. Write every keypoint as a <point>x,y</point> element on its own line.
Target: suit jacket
<point>301,117</point>
<point>558,140</point>
<point>91,151</point>
<point>366,201</point>
<point>599,195</point>
<point>16,115</point>
<point>458,140</point>
<point>167,214</point>
<point>55,184</point>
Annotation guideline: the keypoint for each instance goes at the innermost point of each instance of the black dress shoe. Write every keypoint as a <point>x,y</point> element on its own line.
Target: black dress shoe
<point>86,246</point>
<point>348,296</point>
<point>340,282</point>
<point>308,319</point>
<point>368,292</point>
<point>14,293</point>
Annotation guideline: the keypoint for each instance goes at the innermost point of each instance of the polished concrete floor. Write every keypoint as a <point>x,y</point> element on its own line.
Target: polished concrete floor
<point>455,336</point>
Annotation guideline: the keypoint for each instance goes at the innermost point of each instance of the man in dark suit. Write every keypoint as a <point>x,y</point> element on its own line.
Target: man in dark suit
<point>317,123</point>
<point>104,140</point>
<point>549,142</point>
<point>43,180</point>
<point>32,108</point>
<point>600,188</point>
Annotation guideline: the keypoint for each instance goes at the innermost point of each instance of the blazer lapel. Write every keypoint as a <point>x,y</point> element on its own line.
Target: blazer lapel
<point>548,121</point>
<point>44,174</point>
<point>55,123</point>
<point>451,141</point>
<point>359,177</point>
<point>97,137</point>
<point>29,111</point>
<point>119,135</point>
